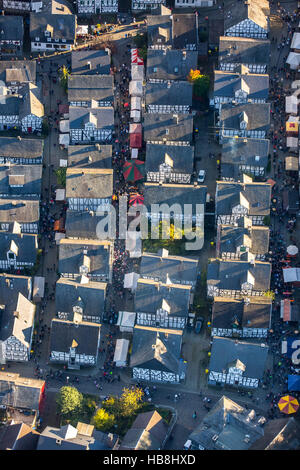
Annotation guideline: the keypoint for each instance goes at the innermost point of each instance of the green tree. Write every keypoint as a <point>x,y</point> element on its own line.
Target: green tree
<point>131,400</point>
<point>200,82</point>
<point>69,401</point>
<point>102,420</point>
<point>63,77</point>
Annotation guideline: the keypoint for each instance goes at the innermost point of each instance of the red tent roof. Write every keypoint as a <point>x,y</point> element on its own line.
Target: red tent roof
<point>135,140</point>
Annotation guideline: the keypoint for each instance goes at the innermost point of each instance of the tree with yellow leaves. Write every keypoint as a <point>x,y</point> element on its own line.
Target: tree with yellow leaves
<point>200,82</point>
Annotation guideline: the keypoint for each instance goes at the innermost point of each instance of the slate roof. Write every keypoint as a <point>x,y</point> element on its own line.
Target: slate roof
<point>184,30</point>
<point>164,356</point>
<point>178,269</point>
<point>91,156</point>
<point>244,50</point>
<point>155,193</point>
<point>20,71</point>
<point>225,350</point>
<point>11,28</point>
<point>279,434</point>
<point>71,254</point>
<point>147,432</point>
<point>28,176</point>
<point>227,83</point>
<point>157,23</point>
<point>82,224</point>
<point>241,151</point>
<point>180,129</point>
<point>26,243</point>
<point>89,183</point>
<point>99,60</point>
<point>175,93</point>
<point>182,157</point>
<point>19,210</point>
<point>255,10</point>
<point>90,87</point>
<point>104,117</point>
<point>21,147</point>
<point>252,313</point>
<point>231,237</point>
<point>18,436</point>
<point>229,421</point>
<point>149,297</point>
<point>10,105</point>
<point>228,196</point>
<point>230,275</point>
<point>171,64</point>
<point>20,392</point>
<point>31,101</point>
<point>64,26</point>
<point>92,297</point>
<point>85,334</point>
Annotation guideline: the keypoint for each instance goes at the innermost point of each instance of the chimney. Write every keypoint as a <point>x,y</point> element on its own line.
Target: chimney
<point>89,66</point>
<point>19,137</point>
<point>183,55</point>
<point>16,314</point>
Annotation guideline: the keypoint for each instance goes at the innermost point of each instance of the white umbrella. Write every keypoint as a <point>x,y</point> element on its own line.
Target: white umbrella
<point>292,250</point>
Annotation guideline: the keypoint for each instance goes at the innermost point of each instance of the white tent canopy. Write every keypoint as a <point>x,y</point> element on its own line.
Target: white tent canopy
<point>121,351</point>
<point>135,115</point>
<point>64,126</point>
<point>293,60</point>
<point>59,236</point>
<point>292,142</point>
<point>60,194</point>
<point>292,250</point>
<point>136,88</point>
<point>134,153</point>
<point>295,41</point>
<point>135,103</point>
<point>291,104</point>
<point>130,280</point>
<point>126,321</point>
<point>64,139</point>
<point>38,288</point>
<point>133,244</point>
<point>137,72</point>
<point>291,274</point>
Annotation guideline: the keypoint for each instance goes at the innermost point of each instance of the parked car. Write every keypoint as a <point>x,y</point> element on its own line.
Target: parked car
<point>201,176</point>
<point>198,324</point>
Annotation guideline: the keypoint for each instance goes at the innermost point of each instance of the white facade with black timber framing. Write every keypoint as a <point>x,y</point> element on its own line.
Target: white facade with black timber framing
<point>89,7</point>
<point>253,68</point>
<point>166,175</point>
<point>247,29</point>
<point>233,378</point>
<point>151,375</point>
<point>140,5</point>
<point>91,134</point>
<point>72,358</point>
<point>240,332</point>
<point>161,319</point>
<point>22,6</point>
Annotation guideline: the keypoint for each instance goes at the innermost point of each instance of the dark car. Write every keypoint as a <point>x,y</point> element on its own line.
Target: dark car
<point>198,324</point>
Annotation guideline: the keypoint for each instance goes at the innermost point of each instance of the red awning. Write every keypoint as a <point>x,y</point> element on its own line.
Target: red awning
<point>136,141</point>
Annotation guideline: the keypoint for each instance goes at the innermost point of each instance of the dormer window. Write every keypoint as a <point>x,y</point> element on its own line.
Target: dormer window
<point>175,69</point>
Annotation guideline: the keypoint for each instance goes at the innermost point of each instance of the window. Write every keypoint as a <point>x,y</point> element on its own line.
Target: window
<point>175,69</point>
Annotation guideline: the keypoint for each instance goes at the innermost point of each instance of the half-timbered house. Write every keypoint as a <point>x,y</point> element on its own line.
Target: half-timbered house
<point>11,35</point>
<point>91,91</point>
<point>159,29</point>
<point>90,62</point>
<point>20,151</point>
<point>89,125</point>
<point>84,297</point>
<point>74,343</point>
<point>156,355</point>
<point>169,163</point>
<point>89,156</point>
<point>233,241</point>
<point>249,317</point>
<point>90,7</point>
<point>166,96</point>
<point>52,32</point>
<point>238,278</point>
<point>15,74</point>
<point>90,258</point>
<point>24,181</point>
<point>194,3</point>
<point>168,129</point>
<point>142,5</point>
<point>18,251</point>
<point>252,53</point>
<point>237,364</point>
<point>243,155</point>
<point>16,319</point>
<point>89,189</point>
<point>166,268</point>
<point>249,120</point>
<point>170,64</point>
<point>240,86</point>
<point>25,212</point>
<point>82,224</point>
<point>185,31</point>
<point>249,19</point>
<point>162,305</point>
<point>234,200</point>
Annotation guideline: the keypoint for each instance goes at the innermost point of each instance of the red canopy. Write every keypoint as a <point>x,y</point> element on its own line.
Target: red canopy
<point>136,141</point>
